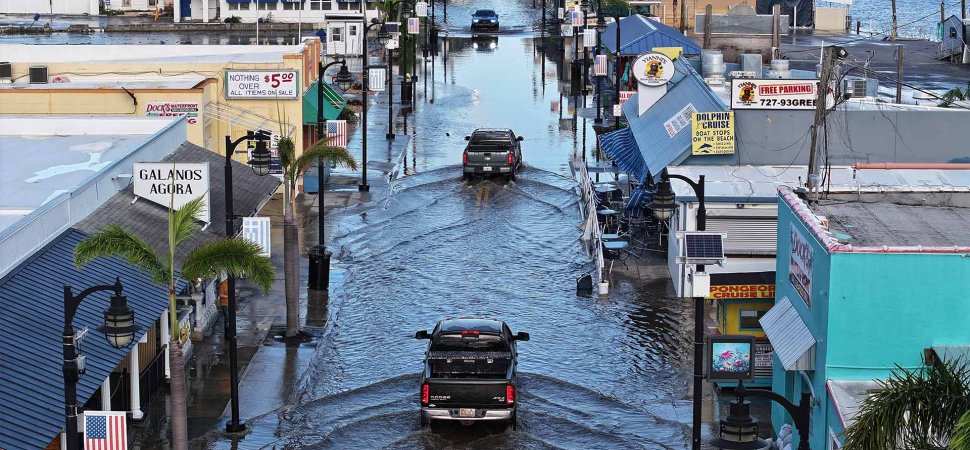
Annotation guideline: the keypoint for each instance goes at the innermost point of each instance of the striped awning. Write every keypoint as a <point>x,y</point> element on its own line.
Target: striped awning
<point>787,333</point>
<point>622,148</point>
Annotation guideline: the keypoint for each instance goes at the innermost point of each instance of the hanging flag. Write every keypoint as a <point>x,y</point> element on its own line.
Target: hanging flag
<point>589,38</point>
<point>414,25</point>
<point>105,430</point>
<point>337,132</point>
<point>560,13</point>
<point>625,95</point>
<point>617,110</point>
<point>577,17</point>
<point>421,9</point>
<point>377,78</point>
<point>599,67</point>
<point>257,231</point>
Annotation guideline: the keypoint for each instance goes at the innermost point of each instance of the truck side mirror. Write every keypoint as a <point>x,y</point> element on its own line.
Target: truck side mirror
<point>422,335</point>
<point>468,138</point>
<point>520,138</point>
<point>522,336</point>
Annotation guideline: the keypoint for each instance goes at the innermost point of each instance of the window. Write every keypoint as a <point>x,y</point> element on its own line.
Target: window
<point>335,34</point>
<point>749,319</point>
<point>291,6</point>
<point>454,342</point>
<point>953,32</point>
<point>353,30</point>
<point>266,6</point>
<point>126,3</point>
<point>348,6</point>
<point>317,5</point>
<point>152,3</point>
<point>239,6</point>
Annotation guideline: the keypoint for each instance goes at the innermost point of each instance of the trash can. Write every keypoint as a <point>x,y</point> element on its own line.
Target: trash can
<point>319,276</point>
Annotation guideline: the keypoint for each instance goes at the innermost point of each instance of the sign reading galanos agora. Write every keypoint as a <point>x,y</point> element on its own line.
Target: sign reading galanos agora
<point>175,184</point>
<point>749,93</point>
<point>262,84</point>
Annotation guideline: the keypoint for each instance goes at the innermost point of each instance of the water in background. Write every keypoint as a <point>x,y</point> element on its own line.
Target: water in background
<point>916,18</point>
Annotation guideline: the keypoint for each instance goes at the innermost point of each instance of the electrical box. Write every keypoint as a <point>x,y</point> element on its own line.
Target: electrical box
<point>701,284</point>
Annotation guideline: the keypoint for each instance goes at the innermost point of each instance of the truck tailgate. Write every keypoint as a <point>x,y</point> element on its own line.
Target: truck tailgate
<point>488,157</point>
<point>459,393</point>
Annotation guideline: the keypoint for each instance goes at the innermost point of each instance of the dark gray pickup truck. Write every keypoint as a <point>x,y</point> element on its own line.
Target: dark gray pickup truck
<point>492,151</point>
<point>469,371</point>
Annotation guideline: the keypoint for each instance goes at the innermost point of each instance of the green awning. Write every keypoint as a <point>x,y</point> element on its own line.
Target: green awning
<point>333,103</point>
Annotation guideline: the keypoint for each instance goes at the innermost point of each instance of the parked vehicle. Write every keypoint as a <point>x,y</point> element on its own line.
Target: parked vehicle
<point>492,151</point>
<point>485,19</point>
<point>469,372</point>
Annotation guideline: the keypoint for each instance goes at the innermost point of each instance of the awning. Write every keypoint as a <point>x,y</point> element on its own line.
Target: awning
<point>333,103</point>
<point>788,334</point>
<point>32,298</point>
<point>238,1</point>
<point>622,148</point>
<point>266,1</point>
<point>639,199</point>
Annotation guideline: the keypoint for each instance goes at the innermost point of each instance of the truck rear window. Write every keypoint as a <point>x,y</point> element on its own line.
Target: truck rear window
<point>454,342</point>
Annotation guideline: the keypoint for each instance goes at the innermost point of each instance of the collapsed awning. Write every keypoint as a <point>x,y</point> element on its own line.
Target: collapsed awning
<point>333,103</point>
<point>789,335</point>
<point>622,148</point>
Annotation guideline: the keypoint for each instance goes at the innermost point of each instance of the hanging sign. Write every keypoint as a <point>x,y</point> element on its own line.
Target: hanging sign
<point>173,109</point>
<point>257,231</point>
<point>626,95</point>
<point>742,291</point>
<point>653,69</point>
<point>560,13</point>
<point>749,93</point>
<point>617,110</point>
<point>421,9</point>
<point>105,429</point>
<point>262,84</point>
<point>713,133</point>
<point>599,66</point>
<point>800,266</point>
<point>173,184</point>
<point>377,77</point>
<point>680,120</point>
<point>414,25</point>
<point>577,17</point>
<point>589,38</point>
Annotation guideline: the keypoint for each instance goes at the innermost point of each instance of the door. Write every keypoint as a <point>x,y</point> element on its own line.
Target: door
<point>186,8</point>
<point>336,41</point>
<point>353,41</point>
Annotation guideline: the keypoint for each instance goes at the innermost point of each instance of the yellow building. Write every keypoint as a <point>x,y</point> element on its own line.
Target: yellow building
<point>226,90</point>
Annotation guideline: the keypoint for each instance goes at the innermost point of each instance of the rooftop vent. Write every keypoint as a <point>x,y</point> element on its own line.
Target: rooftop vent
<point>38,74</point>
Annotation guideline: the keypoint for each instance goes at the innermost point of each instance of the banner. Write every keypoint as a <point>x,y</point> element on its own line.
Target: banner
<point>625,95</point>
<point>599,67</point>
<point>414,25</point>
<point>377,78</point>
<point>577,17</point>
<point>742,291</point>
<point>105,430</point>
<point>173,183</point>
<point>800,266</point>
<point>262,84</point>
<point>589,38</point>
<point>713,133</point>
<point>421,9</point>
<point>337,132</point>
<point>749,93</point>
<point>257,231</point>
<point>173,109</point>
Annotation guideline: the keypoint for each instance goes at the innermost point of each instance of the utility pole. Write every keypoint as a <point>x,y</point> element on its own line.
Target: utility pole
<point>708,13</point>
<point>892,35</point>
<point>963,20</point>
<point>942,13</point>
<point>899,74</point>
<point>820,111</point>
<point>775,28</point>
<point>683,17</point>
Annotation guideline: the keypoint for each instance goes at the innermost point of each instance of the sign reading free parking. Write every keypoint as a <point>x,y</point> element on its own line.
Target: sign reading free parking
<point>262,84</point>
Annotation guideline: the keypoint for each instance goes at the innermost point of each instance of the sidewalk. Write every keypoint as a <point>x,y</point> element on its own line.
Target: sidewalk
<point>269,367</point>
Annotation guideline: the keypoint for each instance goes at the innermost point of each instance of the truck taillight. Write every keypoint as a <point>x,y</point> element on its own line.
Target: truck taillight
<point>511,158</point>
<point>426,394</point>
<point>464,158</point>
<point>509,395</point>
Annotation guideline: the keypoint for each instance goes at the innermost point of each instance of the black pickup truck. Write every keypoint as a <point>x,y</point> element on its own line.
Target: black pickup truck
<point>492,151</point>
<point>469,371</point>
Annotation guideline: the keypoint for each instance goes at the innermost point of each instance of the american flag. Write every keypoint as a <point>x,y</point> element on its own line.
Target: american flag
<point>414,25</point>
<point>577,17</point>
<point>337,132</point>
<point>105,430</point>
<point>625,95</point>
<point>599,67</point>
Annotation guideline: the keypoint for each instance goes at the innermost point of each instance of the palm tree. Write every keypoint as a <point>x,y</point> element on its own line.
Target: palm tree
<point>293,167</point>
<point>235,257</point>
<point>954,95</point>
<point>923,408</point>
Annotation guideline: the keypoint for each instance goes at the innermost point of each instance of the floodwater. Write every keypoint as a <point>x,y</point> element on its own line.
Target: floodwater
<point>610,372</point>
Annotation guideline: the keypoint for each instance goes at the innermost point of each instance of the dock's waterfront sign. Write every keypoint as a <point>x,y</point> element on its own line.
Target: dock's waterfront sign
<point>177,183</point>
<point>262,84</point>
<point>800,266</point>
<point>749,93</point>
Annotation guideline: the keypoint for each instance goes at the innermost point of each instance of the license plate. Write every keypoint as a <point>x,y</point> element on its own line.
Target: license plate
<point>487,168</point>
<point>466,412</point>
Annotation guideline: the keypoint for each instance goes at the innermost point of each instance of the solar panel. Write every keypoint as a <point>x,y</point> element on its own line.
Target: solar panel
<point>703,246</point>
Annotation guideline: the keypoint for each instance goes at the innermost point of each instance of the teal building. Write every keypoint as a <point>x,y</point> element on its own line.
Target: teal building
<point>864,282</point>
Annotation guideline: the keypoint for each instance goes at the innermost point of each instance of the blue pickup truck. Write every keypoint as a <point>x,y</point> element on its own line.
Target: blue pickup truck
<point>485,20</point>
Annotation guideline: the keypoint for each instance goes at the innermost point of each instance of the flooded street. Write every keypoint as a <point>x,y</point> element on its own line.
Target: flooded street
<point>609,372</point>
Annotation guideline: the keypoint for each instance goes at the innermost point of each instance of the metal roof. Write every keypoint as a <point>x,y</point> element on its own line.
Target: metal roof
<point>148,220</point>
<point>659,149</point>
<point>787,333</point>
<point>622,148</point>
<point>31,381</point>
<point>640,34</point>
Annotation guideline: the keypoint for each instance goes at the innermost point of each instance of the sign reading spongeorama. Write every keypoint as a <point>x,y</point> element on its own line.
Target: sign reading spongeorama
<point>177,183</point>
<point>749,93</point>
<point>742,291</point>
<point>262,84</point>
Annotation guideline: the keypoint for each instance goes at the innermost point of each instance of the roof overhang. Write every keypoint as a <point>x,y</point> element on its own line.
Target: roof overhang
<point>793,342</point>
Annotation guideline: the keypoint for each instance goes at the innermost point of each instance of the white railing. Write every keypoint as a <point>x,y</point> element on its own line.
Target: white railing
<point>591,232</point>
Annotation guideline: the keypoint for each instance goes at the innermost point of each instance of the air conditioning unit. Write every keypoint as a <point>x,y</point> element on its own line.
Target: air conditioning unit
<point>861,88</point>
<point>743,74</point>
<point>6,72</point>
<point>38,74</point>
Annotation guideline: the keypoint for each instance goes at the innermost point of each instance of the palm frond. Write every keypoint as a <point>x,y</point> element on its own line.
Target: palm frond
<point>960,438</point>
<point>325,154</point>
<point>182,220</point>
<point>236,257</point>
<point>114,240</point>
<point>287,151</point>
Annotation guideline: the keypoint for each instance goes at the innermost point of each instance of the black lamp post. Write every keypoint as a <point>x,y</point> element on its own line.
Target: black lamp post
<point>619,67</point>
<point>260,163</point>
<point>365,86</point>
<point>119,329</point>
<point>385,37</point>
<point>663,207</point>
<point>600,28</point>
<point>739,431</point>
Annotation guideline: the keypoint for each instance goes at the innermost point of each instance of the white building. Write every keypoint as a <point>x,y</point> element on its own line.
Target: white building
<point>68,7</point>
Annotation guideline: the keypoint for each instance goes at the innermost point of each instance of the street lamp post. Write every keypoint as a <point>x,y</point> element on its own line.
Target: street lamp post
<point>619,68</point>
<point>119,329</point>
<point>319,278</point>
<point>260,164</point>
<point>739,431</point>
<point>365,86</point>
<point>663,207</point>
<point>600,28</point>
